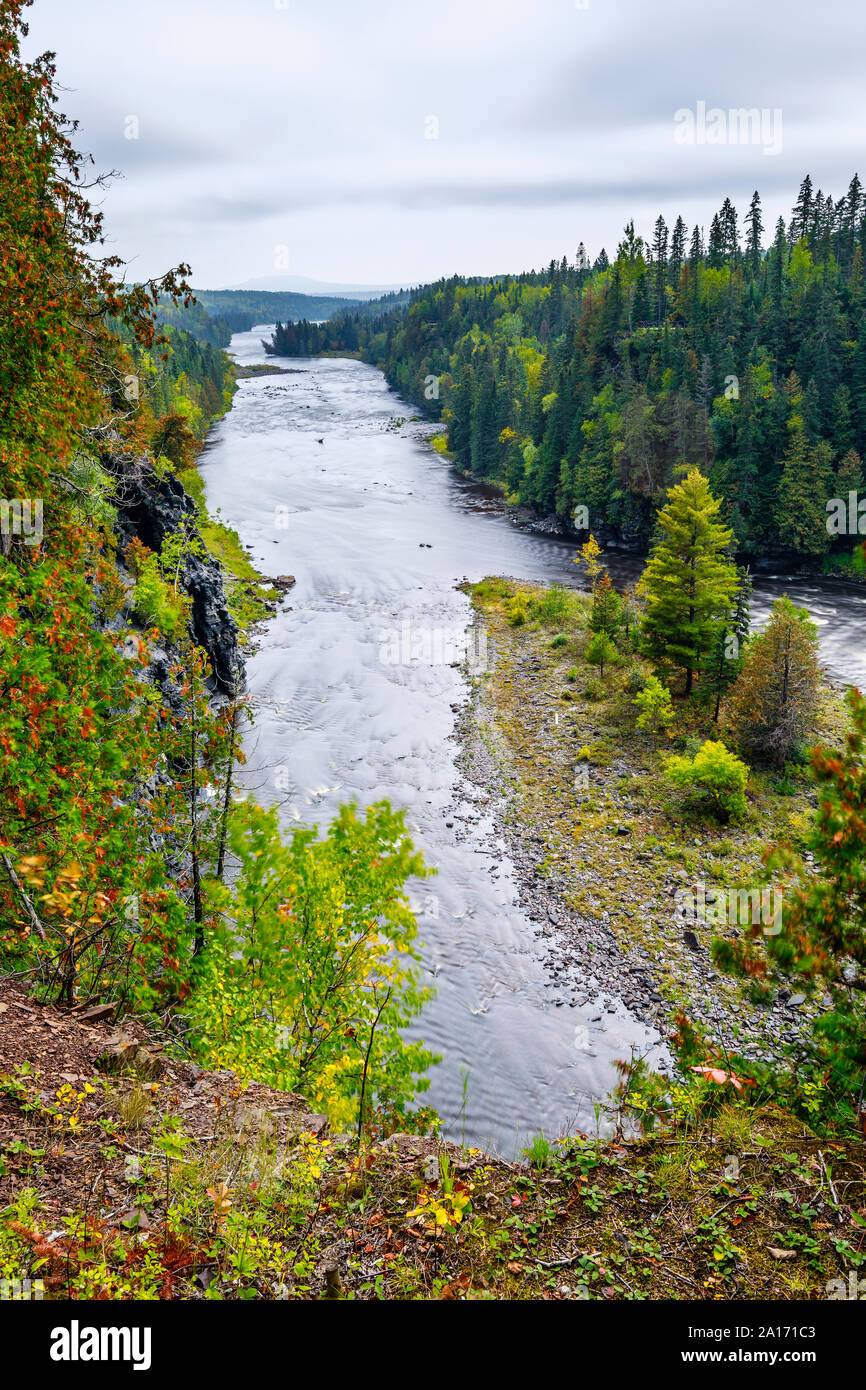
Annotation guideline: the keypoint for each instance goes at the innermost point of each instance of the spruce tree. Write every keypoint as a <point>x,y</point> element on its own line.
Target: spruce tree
<point>849,219</point>
<point>755,225</point>
<point>730,235</point>
<point>804,487</point>
<point>801,217</point>
<point>821,947</point>
<point>660,265</point>
<point>689,582</point>
<point>716,248</point>
<point>678,252</point>
<point>726,657</point>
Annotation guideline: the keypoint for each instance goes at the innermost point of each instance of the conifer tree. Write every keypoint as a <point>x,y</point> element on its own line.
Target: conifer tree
<point>660,265</point>
<point>755,225</point>
<point>773,704</point>
<point>716,246</point>
<point>689,582</point>
<point>849,474</point>
<point>801,505</point>
<point>606,614</point>
<point>801,217</point>
<point>726,657</point>
<point>678,252</point>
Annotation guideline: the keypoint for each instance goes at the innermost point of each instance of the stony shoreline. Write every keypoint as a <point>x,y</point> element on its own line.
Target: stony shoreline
<point>602,900</point>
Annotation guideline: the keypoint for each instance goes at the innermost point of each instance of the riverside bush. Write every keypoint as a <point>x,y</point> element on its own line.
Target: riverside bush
<point>654,703</point>
<point>311,970</point>
<point>715,780</point>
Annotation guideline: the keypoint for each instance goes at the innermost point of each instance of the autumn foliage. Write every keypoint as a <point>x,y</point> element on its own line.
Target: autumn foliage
<point>77,729</point>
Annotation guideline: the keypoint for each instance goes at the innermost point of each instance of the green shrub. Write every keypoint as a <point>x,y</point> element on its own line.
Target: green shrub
<point>516,608</point>
<point>153,598</point>
<point>312,970</point>
<point>654,703</point>
<point>715,779</point>
<point>539,1153</point>
<point>556,606</point>
<point>600,651</point>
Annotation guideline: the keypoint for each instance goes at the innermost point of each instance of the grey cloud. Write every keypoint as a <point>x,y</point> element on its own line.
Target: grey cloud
<point>515,194</point>
<point>310,119</point>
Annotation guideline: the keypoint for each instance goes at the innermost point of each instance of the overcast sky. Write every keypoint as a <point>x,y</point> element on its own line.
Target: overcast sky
<point>293,136</point>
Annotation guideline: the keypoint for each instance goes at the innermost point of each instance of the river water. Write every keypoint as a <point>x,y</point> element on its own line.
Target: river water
<point>355,698</point>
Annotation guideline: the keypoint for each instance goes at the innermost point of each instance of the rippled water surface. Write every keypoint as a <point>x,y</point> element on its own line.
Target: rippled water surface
<point>319,477</point>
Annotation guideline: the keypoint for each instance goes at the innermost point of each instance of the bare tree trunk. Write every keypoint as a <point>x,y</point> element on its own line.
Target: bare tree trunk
<point>198,912</point>
<point>227,798</point>
<point>28,906</point>
<point>373,1027</point>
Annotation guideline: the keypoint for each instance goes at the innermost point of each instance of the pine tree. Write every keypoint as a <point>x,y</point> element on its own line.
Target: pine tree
<point>804,487</point>
<point>849,474</point>
<point>716,245</point>
<point>726,657</point>
<point>660,266</point>
<point>801,217</point>
<point>730,235</point>
<point>678,252</point>
<point>849,220</point>
<point>600,651</point>
<point>772,708</point>
<point>606,614</point>
<point>755,225</point>
<point>484,432</point>
<point>842,430</point>
<point>819,212</point>
<point>689,582</point>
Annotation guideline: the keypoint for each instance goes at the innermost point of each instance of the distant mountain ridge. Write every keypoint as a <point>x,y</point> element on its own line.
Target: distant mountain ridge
<point>302,284</point>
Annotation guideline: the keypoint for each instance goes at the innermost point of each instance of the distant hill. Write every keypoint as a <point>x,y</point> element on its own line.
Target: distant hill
<point>287,284</point>
<point>218,314</point>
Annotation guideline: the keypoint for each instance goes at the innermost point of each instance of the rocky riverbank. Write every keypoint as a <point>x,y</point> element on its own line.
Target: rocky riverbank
<point>153,508</point>
<point>603,859</point>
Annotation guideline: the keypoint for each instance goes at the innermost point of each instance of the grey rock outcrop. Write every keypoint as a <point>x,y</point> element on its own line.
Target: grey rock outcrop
<point>153,508</point>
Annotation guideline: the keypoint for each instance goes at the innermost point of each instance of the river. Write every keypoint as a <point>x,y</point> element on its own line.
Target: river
<point>322,481</point>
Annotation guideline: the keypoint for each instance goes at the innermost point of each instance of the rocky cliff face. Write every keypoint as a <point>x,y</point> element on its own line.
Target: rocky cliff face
<point>152,508</point>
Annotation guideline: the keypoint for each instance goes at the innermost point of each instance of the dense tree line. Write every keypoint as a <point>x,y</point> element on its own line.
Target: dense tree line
<point>360,329</point>
<point>195,320</point>
<point>267,306</point>
<point>590,385</point>
<point>215,315</point>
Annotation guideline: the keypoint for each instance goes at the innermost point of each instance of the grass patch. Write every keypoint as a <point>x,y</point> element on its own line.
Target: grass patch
<point>248,592</point>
